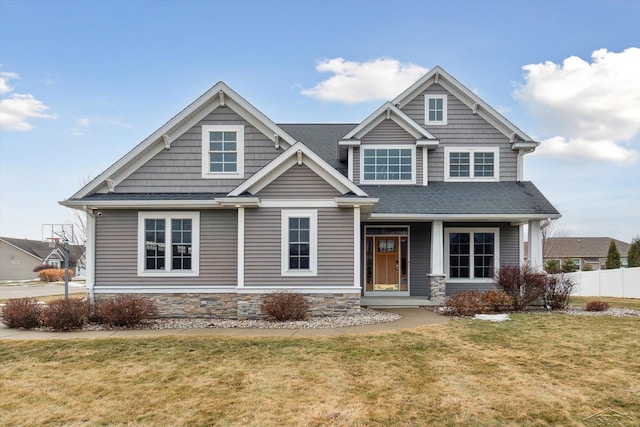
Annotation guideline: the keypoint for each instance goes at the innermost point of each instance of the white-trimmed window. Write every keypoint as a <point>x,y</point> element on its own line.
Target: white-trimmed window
<point>435,109</point>
<point>299,251</point>
<point>471,164</point>
<point>168,243</point>
<point>472,253</point>
<point>387,164</point>
<point>222,151</point>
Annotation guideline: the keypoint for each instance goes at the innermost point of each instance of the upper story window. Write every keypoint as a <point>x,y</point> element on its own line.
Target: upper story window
<point>471,164</point>
<point>222,151</point>
<point>435,111</point>
<point>387,164</point>
<point>168,243</point>
<point>299,252</point>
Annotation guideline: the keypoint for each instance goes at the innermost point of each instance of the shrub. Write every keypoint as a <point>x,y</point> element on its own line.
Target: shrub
<point>568,266</point>
<point>53,275</point>
<point>557,290</point>
<point>552,266</point>
<point>284,305</point>
<point>22,313</point>
<point>469,303</point>
<point>64,315</point>
<point>43,267</point>
<point>123,310</point>
<point>521,283</point>
<point>597,306</point>
<point>496,301</point>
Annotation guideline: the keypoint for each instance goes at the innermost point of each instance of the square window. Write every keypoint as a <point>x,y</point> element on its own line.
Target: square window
<point>471,254</point>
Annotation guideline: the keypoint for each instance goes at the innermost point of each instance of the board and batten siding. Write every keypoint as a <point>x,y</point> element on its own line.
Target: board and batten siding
<point>463,129</point>
<point>419,165</point>
<point>179,169</point>
<point>117,251</point>
<point>509,253</point>
<point>263,249</point>
<point>299,182</point>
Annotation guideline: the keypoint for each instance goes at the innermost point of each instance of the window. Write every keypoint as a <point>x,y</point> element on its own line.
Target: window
<point>299,243</point>
<point>435,111</point>
<point>223,152</point>
<point>576,263</point>
<point>471,164</point>
<point>168,243</point>
<point>472,254</point>
<point>387,164</point>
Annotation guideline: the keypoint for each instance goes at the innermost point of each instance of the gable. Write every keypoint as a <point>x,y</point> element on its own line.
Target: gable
<point>299,182</point>
<point>179,169</point>
<point>388,132</point>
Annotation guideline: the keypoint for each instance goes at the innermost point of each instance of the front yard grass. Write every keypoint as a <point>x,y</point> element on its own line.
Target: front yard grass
<point>534,370</point>
<point>633,303</point>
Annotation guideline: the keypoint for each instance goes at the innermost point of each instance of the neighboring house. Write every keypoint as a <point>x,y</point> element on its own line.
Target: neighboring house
<point>422,199</point>
<point>18,257</point>
<point>586,253</point>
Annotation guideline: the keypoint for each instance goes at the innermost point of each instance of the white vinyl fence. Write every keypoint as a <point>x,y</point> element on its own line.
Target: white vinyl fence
<point>621,282</point>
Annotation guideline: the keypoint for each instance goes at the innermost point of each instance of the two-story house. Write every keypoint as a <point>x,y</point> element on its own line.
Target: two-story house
<point>220,205</point>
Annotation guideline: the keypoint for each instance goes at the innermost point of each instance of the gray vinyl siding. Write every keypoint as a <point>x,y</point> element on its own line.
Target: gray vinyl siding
<point>299,182</point>
<point>16,264</point>
<point>388,132</point>
<point>463,129</point>
<point>117,250</point>
<point>263,247</point>
<point>420,258</point>
<point>180,168</point>
<point>356,165</point>
<point>509,253</point>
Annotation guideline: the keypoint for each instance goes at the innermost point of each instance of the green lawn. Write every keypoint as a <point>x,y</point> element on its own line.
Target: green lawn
<point>536,370</point>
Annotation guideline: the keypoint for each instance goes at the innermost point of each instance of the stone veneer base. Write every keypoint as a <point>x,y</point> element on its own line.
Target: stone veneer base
<point>241,306</point>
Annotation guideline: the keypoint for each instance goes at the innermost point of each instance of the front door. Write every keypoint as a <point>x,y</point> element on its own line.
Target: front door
<point>386,277</point>
<point>386,261</point>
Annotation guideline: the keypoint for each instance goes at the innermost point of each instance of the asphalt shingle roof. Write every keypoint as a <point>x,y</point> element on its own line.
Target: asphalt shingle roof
<point>582,247</point>
<point>322,138</point>
<point>475,198</point>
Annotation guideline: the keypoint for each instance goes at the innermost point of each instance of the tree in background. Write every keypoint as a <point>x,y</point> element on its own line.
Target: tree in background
<point>613,257</point>
<point>568,266</point>
<point>634,252</point>
<point>552,266</point>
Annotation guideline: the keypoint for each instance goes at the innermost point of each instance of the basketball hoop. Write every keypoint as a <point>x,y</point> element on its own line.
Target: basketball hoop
<point>53,241</point>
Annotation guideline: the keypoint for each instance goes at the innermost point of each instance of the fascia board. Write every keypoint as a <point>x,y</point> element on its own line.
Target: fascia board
<point>356,201</point>
<point>378,116</point>
<point>349,142</point>
<point>526,145</point>
<point>127,204</point>
<point>468,217</point>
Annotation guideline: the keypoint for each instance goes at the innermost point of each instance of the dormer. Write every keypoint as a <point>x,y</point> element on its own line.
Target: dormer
<point>387,148</point>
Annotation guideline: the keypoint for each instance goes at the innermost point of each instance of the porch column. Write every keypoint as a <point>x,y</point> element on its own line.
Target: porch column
<point>436,278</point>
<point>356,246</point>
<point>240,247</point>
<point>535,246</point>
<point>90,253</point>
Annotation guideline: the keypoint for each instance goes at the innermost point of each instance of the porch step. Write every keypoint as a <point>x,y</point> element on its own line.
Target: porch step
<point>396,302</point>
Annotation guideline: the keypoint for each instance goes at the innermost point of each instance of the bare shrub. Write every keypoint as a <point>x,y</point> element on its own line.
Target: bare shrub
<point>65,314</point>
<point>43,267</point>
<point>123,310</point>
<point>21,313</point>
<point>53,274</point>
<point>597,306</point>
<point>470,303</point>
<point>521,283</point>
<point>284,305</point>
<point>496,301</point>
<point>557,290</point>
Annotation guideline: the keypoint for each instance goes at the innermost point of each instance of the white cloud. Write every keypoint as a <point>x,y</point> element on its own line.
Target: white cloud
<point>355,82</point>
<point>83,124</point>
<point>593,109</point>
<point>17,108</point>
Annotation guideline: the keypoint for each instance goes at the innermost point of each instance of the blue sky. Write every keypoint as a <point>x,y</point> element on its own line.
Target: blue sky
<point>82,82</point>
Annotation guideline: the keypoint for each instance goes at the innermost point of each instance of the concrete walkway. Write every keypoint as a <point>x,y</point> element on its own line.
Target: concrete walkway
<point>35,290</point>
<point>411,318</point>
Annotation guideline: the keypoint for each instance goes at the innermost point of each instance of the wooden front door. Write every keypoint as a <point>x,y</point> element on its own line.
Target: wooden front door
<point>386,264</point>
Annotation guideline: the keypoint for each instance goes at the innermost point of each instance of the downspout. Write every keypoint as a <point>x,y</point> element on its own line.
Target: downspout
<point>90,253</point>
